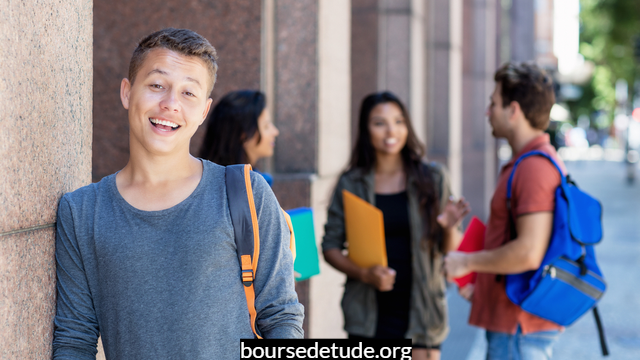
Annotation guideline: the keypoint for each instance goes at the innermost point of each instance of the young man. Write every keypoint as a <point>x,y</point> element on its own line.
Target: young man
<point>519,111</point>
<point>146,258</point>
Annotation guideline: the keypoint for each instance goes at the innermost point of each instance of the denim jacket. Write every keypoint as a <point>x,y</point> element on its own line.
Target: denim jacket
<point>428,323</point>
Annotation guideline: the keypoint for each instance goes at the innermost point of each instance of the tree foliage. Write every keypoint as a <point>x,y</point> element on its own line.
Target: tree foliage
<point>608,29</point>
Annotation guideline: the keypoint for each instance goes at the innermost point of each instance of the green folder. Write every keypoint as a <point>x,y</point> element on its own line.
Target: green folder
<point>307,263</point>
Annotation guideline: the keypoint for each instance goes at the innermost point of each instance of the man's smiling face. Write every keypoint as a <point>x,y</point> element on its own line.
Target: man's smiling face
<point>167,102</point>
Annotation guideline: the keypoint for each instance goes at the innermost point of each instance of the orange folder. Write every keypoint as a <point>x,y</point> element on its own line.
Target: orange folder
<point>472,241</point>
<point>365,231</point>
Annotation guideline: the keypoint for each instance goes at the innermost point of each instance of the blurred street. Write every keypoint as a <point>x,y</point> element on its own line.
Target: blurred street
<point>618,255</point>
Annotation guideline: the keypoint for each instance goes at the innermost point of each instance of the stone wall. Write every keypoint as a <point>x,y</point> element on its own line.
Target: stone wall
<point>45,151</point>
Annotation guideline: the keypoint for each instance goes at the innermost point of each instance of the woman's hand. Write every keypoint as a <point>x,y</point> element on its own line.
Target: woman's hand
<point>381,277</point>
<point>454,212</point>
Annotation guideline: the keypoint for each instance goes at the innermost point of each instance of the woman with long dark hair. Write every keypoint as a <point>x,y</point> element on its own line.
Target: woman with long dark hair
<point>405,299</point>
<point>239,130</point>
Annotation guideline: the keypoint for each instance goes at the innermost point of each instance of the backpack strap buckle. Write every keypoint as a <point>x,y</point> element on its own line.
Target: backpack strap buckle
<point>247,271</point>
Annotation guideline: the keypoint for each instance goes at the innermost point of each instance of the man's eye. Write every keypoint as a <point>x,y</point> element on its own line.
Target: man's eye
<point>189,94</point>
<point>156,86</point>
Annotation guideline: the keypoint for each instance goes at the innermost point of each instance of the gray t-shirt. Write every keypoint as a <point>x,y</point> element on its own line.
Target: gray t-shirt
<point>166,284</point>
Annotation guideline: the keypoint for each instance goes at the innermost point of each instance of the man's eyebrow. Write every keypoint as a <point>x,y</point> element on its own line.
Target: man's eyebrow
<point>190,79</point>
<point>157,71</point>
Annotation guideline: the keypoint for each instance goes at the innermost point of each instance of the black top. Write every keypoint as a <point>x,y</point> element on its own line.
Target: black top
<point>393,306</point>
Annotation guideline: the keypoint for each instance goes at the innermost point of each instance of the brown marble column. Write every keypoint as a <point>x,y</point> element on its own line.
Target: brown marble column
<point>45,151</point>
<point>295,100</point>
<point>311,107</point>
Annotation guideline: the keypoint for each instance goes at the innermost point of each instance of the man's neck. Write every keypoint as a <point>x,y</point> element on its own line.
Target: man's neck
<point>153,183</point>
<point>522,137</point>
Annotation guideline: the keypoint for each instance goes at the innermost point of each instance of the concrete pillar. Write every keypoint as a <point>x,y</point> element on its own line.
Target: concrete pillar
<point>334,145</point>
<point>479,168</point>
<point>233,27</point>
<point>295,108</point>
<point>522,24</point>
<point>388,53</point>
<point>45,151</point>
<point>311,94</point>
<point>444,86</point>
<point>394,48</point>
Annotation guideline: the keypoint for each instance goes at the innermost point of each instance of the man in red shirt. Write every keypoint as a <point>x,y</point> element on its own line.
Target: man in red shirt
<point>519,111</point>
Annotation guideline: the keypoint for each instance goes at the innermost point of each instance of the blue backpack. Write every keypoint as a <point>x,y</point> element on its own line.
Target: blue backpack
<point>569,281</point>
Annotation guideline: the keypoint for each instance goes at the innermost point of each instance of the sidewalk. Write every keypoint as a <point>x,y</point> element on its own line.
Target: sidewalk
<point>619,258</point>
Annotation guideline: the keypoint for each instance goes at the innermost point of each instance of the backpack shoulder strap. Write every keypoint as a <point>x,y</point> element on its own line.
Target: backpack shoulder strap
<point>512,225</point>
<point>526,155</point>
<point>245,226</point>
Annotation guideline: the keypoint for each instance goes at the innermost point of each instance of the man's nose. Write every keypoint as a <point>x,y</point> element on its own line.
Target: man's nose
<point>170,101</point>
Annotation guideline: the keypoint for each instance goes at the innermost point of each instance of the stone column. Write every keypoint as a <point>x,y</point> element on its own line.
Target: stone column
<point>522,24</point>
<point>444,86</point>
<point>45,151</point>
<point>388,53</point>
<point>479,168</point>
<point>295,109</point>
<point>311,95</point>
<point>334,146</point>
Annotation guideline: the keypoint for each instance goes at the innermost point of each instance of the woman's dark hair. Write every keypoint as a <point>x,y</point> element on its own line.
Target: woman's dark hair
<point>363,157</point>
<point>233,121</point>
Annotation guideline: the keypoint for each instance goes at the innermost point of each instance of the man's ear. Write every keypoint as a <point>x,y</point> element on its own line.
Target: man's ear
<point>125,92</point>
<point>515,110</point>
<point>206,111</point>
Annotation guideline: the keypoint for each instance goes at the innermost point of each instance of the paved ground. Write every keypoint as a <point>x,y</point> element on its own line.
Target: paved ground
<point>619,257</point>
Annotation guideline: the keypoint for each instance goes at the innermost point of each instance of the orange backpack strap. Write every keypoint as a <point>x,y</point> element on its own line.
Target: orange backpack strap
<point>246,233</point>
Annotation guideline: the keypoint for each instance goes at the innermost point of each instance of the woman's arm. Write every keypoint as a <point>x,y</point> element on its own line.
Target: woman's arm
<point>450,219</point>
<point>452,239</point>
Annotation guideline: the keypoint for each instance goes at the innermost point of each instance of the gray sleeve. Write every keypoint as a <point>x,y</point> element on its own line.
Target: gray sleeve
<point>279,314</point>
<point>334,230</point>
<point>76,327</point>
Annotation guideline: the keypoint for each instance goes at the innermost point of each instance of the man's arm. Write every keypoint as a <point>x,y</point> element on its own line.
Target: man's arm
<point>279,314</point>
<point>76,327</point>
<point>519,255</point>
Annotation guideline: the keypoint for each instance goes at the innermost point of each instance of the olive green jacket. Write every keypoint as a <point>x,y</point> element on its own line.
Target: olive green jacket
<point>428,323</point>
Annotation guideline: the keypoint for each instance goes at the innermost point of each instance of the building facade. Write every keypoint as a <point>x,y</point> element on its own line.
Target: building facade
<point>315,60</point>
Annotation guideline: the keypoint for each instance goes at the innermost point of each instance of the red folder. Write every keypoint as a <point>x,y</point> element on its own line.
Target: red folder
<point>472,241</point>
